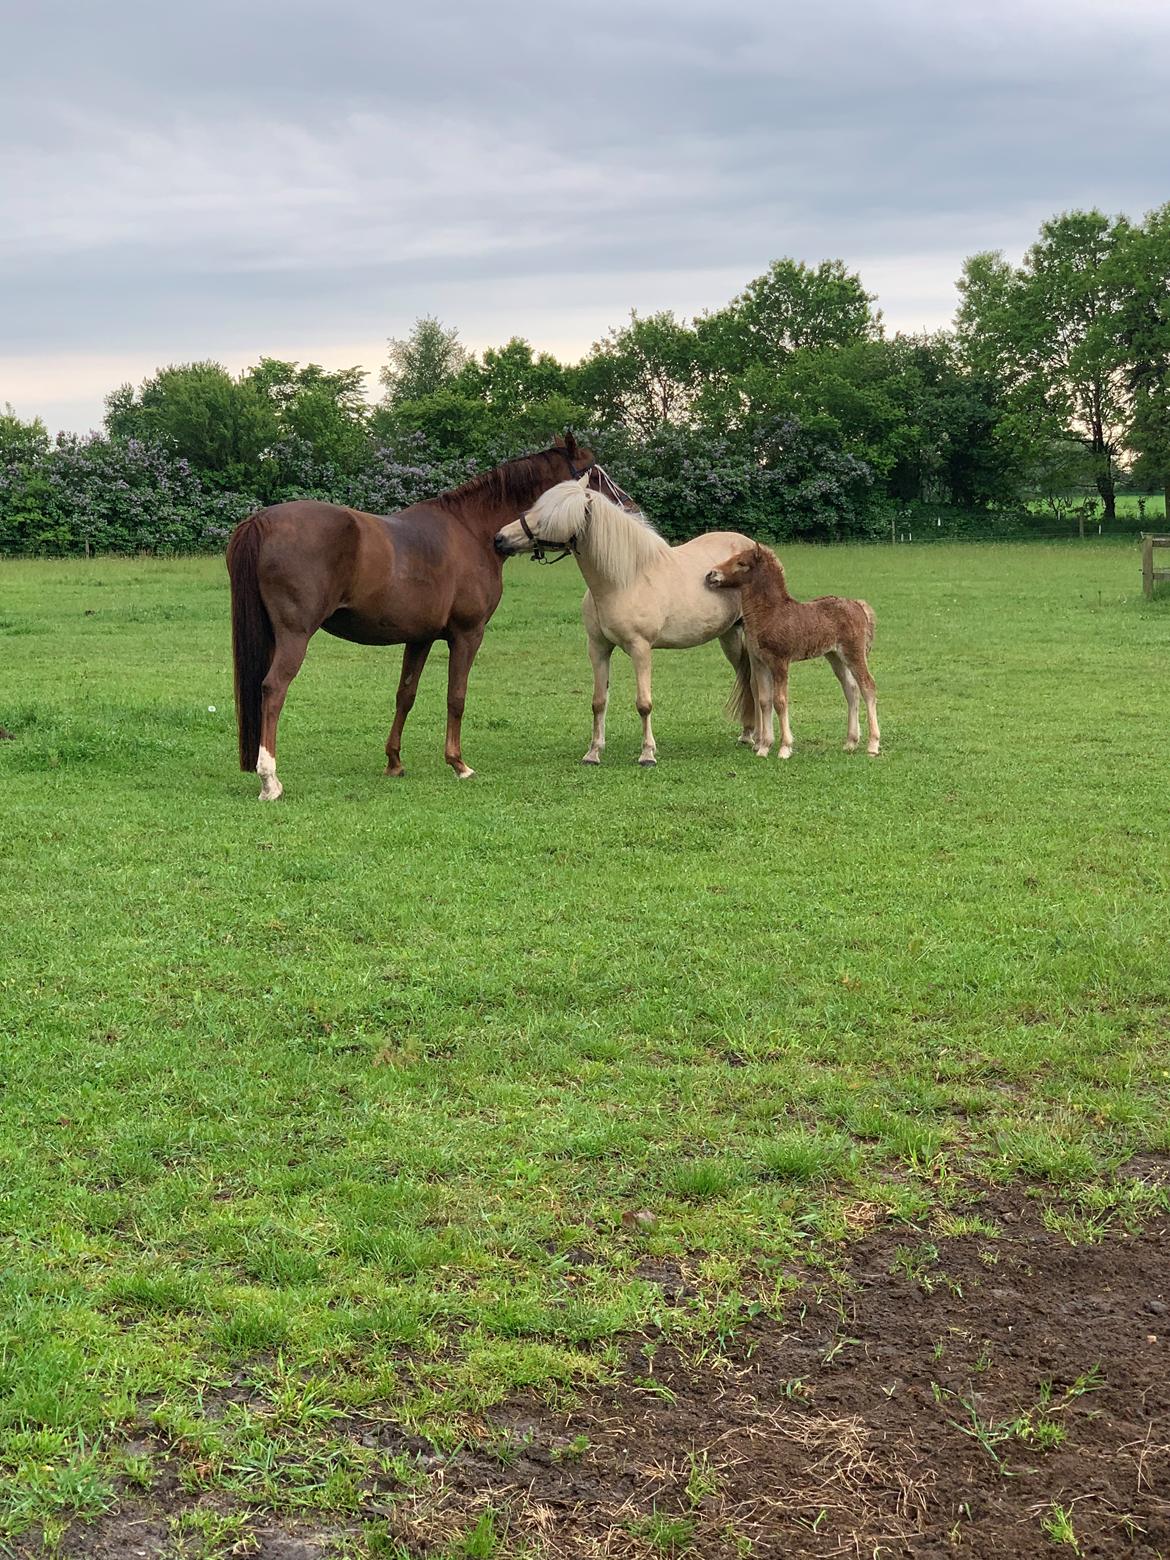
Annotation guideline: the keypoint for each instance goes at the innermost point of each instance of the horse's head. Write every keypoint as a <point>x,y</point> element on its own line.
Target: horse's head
<point>580,460</point>
<point>555,520</point>
<point>734,572</point>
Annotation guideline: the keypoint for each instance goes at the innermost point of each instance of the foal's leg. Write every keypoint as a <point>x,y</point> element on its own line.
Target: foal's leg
<point>781,674</point>
<point>765,686</point>
<point>463,649</point>
<point>285,664</point>
<point>849,687</point>
<point>600,651</point>
<point>734,647</point>
<point>639,652</point>
<point>869,694</point>
<point>414,658</point>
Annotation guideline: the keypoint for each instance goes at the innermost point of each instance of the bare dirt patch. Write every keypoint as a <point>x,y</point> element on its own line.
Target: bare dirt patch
<point>982,1394</point>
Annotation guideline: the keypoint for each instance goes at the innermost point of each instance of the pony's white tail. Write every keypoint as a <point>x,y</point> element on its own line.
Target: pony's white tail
<point>741,702</point>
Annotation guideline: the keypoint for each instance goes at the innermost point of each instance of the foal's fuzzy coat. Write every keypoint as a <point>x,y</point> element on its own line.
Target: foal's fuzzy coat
<point>780,630</point>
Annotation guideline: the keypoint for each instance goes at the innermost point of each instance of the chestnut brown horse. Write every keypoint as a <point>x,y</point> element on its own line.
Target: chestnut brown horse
<point>429,572</point>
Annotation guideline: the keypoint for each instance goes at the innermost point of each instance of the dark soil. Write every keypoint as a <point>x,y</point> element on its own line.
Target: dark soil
<point>876,1420</point>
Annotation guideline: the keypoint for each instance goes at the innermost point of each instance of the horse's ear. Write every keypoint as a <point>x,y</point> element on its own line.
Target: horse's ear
<point>570,442</point>
<point>757,552</point>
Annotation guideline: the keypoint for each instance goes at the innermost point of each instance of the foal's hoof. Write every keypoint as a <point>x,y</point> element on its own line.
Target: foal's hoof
<point>850,747</point>
<point>873,750</point>
<point>647,763</point>
<point>592,758</point>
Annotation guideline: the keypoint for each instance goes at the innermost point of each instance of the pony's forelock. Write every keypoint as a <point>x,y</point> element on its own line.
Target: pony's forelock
<point>620,541</point>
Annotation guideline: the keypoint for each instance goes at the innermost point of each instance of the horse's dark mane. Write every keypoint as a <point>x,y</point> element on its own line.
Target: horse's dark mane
<point>515,482</point>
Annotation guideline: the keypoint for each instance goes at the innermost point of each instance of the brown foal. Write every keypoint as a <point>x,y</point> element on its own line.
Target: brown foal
<point>429,572</point>
<point>780,630</point>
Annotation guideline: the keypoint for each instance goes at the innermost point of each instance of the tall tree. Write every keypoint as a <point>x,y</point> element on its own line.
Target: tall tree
<point>1144,328</point>
<point>424,362</point>
<point>1048,330</point>
<point>21,441</point>
<point>792,306</point>
<point>220,424</point>
<point>644,375</point>
<point>322,410</point>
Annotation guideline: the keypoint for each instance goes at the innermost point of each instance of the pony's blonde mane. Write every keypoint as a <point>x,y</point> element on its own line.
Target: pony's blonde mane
<point>619,542</point>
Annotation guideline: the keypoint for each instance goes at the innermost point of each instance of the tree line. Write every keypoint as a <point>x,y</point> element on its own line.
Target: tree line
<point>788,412</point>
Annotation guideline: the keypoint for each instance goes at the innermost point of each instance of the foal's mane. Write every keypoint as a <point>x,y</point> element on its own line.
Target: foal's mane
<point>514,483</point>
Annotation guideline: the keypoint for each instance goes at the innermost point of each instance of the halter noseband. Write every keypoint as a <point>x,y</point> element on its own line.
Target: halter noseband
<point>619,496</point>
<point>539,544</point>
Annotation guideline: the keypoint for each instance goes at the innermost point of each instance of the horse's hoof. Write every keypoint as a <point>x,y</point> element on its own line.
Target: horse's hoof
<point>647,763</point>
<point>592,759</point>
<point>850,747</point>
<point>394,774</point>
<point>465,773</point>
<point>762,752</point>
<point>873,751</point>
<point>785,752</point>
<point>272,795</point>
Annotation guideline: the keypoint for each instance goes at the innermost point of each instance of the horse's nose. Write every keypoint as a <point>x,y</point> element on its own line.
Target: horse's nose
<point>713,577</point>
<point>501,544</point>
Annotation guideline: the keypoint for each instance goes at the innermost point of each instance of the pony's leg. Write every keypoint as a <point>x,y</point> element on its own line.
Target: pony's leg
<point>463,649</point>
<point>743,699</point>
<point>781,675</point>
<point>639,653</point>
<point>414,658</point>
<point>600,651</point>
<point>285,664</point>
<point>852,698</point>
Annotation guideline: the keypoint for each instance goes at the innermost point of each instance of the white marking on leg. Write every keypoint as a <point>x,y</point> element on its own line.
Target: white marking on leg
<point>271,789</point>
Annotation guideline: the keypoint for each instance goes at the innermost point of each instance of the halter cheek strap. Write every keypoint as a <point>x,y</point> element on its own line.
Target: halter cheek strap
<point>567,547</point>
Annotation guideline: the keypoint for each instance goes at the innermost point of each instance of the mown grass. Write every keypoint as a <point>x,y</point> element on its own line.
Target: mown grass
<point>329,1113</point>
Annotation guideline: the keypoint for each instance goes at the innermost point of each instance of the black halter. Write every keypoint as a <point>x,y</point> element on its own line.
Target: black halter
<point>606,485</point>
<point>539,545</point>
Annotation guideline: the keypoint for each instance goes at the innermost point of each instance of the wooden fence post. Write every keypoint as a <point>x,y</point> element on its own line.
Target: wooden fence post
<point>1150,575</point>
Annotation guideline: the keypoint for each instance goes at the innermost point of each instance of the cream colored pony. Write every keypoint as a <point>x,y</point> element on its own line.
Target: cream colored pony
<point>643,595</point>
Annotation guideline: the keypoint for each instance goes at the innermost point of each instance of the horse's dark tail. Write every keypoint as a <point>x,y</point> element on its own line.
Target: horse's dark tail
<point>741,701</point>
<point>252,638</point>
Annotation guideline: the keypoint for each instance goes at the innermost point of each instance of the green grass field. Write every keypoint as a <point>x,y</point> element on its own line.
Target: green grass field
<point>305,1108</point>
<point>1155,505</point>
<point>1129,506</point>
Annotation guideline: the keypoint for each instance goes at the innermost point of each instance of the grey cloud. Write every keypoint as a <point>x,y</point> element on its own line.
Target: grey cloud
<point>328,171</point>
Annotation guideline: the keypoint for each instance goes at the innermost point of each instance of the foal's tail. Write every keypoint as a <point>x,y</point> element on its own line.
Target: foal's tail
<point>870,623</point>
<point>252,638</point>
<point>741,701</point>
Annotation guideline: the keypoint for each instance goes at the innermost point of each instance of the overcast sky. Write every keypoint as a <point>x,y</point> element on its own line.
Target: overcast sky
<point>304,179</point>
